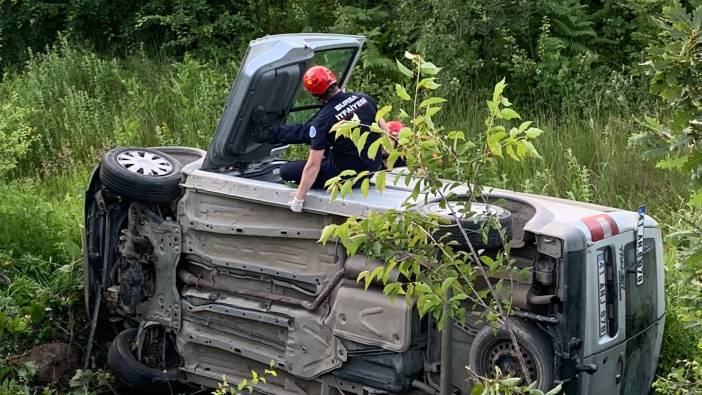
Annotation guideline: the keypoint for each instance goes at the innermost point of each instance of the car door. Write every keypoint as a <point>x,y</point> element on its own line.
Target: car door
<point>645,311</point>
<point>268,83</point>
<point>604,327</point>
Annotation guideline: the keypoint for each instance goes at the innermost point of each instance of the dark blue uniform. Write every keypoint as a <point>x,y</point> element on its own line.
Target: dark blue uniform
<point>340,154</point>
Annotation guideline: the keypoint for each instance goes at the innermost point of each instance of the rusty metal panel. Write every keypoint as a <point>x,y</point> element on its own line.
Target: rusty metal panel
<point>296,339</point>
<point>371,317</point>
<point>221,231</point>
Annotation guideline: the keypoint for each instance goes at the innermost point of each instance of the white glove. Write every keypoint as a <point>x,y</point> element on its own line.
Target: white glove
<point>296,205</point>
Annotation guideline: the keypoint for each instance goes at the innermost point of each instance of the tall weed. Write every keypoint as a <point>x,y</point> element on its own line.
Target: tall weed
<point>585,157</point>
<point>76,105</point>
<point>40,262</point>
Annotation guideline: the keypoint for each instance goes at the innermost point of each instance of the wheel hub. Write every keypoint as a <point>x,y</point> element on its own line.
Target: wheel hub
<point>503,355</point>
<point>146,163</point>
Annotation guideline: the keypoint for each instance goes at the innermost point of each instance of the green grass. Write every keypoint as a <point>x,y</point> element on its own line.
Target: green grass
<point>585,157</point>
<point>79,105</point>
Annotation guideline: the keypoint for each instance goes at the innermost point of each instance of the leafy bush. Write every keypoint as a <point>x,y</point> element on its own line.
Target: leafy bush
<point>683,380</point>
<point>674,142</point>
<point>15,134</point>
<point>560,52</point>
<point>40,255</point>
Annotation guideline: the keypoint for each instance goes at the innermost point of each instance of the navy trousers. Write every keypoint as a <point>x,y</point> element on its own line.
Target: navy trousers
<point>292,171</point>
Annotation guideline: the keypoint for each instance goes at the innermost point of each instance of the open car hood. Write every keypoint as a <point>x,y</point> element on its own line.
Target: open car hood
<point>268,82</point>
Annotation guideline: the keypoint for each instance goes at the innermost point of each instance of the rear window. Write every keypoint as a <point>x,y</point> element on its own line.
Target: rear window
<point>641,299</point>
<point>336,60</point>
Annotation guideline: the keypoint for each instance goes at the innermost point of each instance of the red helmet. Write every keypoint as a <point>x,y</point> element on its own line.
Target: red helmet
<point>394,127</point>
<point>318,79</point>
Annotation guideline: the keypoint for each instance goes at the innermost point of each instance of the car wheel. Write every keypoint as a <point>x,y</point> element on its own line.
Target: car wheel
<point>473,223</point>
<point>184,155</point>
<point>141,174</point>
<point>492,347</point>
<point>135,374</point>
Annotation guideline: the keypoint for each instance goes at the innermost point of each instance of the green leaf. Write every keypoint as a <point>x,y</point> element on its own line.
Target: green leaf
<point>429,68</point>
<point>347,173</point>
<point>345,126</point>
<point>446,284</point>
<point>36,312</point>
<point>508,113</point>
<point>696,198</point>
<point>428,83</point>
<point>392,158</point>
<point>510,152</point>
<point>533,133</point>
<point>530,148</point>
<point>404,70</point>
<point>346,188</point>
<point>672,163</point>
<point>431,101</point>
<point>382,113</point>
<point>510,381</point>
<point>499,88</point>
<point>364,187</point>
<point>431,111</point>
<point>493,142</point>
<point>361,142</point>
<point>362,276</point>
<point>380,181</point>
<point>410,55</point>
<point>521,151</point>
<point>373,149</point>
<point>327,232</point>
<point>401,92</point>
<point>524,125</point>
<point>389,267</point>
<point>456,135</point>
<point>555,390</point>
<point>487,260</point>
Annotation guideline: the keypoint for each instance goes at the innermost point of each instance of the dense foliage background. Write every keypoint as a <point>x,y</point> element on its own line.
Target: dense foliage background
<point>82,76</point>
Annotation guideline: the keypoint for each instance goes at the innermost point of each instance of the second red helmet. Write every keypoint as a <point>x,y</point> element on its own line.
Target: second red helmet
<point>318,79</point>
<point>394,127</point>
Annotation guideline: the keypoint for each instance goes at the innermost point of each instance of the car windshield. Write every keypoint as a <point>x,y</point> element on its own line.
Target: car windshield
<point>338,61</point>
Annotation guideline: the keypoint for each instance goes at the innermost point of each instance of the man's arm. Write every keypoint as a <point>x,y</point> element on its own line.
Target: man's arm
<point>309,175</point>
<point>291,134</point>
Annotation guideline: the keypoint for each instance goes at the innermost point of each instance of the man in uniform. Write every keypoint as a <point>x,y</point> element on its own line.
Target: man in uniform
<point>328,155</point>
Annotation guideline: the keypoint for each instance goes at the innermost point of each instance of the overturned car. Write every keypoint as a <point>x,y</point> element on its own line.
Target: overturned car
<point>198,263</point>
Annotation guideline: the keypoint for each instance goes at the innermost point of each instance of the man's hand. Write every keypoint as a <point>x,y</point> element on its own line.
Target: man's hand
<point>309,175</point>
<point>262,135</point>
<point>296,205</point>
<point>260,123</point>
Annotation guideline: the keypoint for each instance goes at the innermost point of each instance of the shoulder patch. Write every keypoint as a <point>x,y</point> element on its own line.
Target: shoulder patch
<point>313,132</point>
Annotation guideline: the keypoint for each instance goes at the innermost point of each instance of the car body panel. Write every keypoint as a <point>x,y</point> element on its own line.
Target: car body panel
<point>552,217</point>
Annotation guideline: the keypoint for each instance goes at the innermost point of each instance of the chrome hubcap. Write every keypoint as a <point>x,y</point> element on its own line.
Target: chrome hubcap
<point>146,163</point>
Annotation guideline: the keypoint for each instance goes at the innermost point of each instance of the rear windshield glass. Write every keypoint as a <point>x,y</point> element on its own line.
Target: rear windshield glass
<point>337,60</point>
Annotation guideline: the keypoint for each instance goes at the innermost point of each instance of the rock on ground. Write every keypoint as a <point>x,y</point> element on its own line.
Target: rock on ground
<point>54,361</point>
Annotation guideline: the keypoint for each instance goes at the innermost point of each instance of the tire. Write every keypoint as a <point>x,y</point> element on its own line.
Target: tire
<point>184,155</point>
<point>472,224</point>
<point>134,374</point>
<point>157,181</point>
<point>493,347</point>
